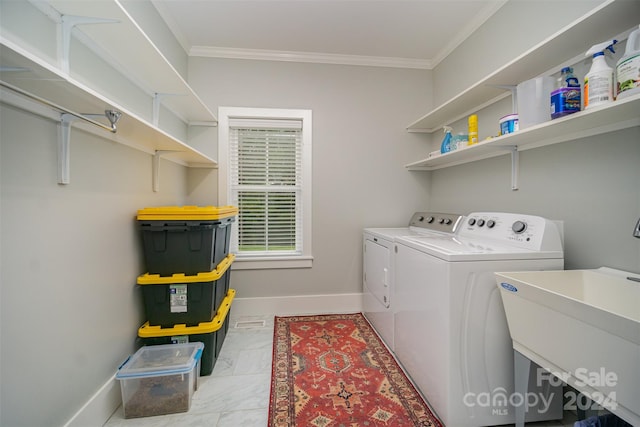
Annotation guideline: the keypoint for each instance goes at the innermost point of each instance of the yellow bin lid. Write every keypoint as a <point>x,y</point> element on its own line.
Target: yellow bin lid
<point>164,213</point>
<point>146,331</point>
<point>208,276</point>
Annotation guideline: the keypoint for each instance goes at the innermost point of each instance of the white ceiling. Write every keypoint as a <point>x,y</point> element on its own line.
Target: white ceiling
<point>403,33</point>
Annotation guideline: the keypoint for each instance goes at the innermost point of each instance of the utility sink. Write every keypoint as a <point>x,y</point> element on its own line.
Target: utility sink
<point>583,326</point>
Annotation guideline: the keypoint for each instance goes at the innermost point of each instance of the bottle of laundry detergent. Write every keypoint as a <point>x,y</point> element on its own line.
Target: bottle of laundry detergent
<point>628,67</point>
<point>565,99</point>
<point>598,83</point>
<point>445,147</point>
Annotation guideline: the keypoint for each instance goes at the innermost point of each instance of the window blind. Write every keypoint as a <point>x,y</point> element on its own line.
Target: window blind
<point>266,186</point>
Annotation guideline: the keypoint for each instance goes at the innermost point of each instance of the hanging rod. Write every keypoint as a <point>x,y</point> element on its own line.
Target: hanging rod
<point>61,109</point>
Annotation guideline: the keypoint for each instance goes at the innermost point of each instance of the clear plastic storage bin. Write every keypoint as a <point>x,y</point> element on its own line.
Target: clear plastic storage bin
<point>160,379</point>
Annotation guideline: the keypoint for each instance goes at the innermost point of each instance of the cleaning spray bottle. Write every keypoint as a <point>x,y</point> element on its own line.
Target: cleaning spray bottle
<point>445,147</point>
<point>598,83</point>
<point>628,67</point>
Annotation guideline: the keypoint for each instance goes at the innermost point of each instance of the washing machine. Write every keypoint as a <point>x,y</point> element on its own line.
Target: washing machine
<point>377,272</point>
<point>450,330</point>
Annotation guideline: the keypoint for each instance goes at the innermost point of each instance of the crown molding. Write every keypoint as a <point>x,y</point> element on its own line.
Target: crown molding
<point>318,58</point>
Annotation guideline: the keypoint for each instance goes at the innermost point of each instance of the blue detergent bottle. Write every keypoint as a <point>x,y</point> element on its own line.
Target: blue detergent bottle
<point>445,147</point>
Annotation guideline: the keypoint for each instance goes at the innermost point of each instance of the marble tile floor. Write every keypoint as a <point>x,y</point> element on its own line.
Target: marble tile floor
<point>236,394</point>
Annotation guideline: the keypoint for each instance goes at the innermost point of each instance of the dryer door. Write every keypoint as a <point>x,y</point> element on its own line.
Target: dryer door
<point>377,272</point>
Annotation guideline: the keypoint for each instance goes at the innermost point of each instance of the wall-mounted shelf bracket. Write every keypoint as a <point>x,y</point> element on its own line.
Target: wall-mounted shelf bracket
<point>157,101</point>
<point>63,148</point>
<point>156,168</point>
<point>514,95</point>
<point>515,166</point>
<point>68,23</point>
<point>64,140</point>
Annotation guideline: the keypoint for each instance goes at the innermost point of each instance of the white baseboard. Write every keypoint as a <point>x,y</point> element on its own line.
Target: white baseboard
<point>99,407</point>
<point>298,305</point>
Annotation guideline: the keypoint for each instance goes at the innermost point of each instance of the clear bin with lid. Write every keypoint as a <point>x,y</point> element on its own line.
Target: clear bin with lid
<point>160,380</point>
<point>185,239</point>
<point>211,334</point>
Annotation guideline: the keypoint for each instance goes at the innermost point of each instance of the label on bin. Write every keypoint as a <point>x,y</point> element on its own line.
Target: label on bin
<point>178,298</point>
<point>180,339</point>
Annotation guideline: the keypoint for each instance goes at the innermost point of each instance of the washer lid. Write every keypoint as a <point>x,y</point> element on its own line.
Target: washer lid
<point>387,233</point>
<point>454,248</point>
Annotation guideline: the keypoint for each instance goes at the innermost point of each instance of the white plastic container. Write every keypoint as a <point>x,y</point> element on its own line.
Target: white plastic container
<point>628,67</point>
<point>509,124</point>
<point>160,379</point>
<point>533,101</point>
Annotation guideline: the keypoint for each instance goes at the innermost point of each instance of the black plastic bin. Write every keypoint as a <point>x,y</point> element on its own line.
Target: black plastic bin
<point>211,334</point>
<point>170,300</point>
<point>187,239</point>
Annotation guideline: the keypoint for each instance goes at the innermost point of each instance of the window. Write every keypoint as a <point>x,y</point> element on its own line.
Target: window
<point>265,170</point>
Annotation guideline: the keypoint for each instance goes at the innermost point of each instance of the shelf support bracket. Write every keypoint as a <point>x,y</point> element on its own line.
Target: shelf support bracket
<point>68,23</point>
<point>157,101</point>
<point>63,148</point>
<point>156,168</point>
<point>514,95</point>
<point>515,167</point>
<point>64,139</point>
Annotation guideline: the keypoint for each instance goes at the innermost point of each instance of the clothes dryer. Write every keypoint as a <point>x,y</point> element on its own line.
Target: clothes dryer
<point>377,271</point>
<point>450,330</point>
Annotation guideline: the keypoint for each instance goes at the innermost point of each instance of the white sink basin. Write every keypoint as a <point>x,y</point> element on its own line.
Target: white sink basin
<point>584,327</point>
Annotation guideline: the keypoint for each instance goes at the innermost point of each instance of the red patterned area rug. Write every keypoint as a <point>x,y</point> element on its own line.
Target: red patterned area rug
<point>333,371</point>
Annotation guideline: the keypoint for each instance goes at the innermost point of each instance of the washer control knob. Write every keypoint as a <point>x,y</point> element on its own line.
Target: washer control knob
<point>447,221</point>
<point>519,226</point>
<point>420,218</point>
<point>441,220</point>
<point>471,221</point>
<point>430,219</point>
<point>480,222</point>
<point>491,223</point>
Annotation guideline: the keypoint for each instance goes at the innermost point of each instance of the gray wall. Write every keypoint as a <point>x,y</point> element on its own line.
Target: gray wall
<point>70,258</point>
<point>360,147</point>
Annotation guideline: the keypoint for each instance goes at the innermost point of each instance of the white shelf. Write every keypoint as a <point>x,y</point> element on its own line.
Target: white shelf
<point>42,79</point>
<point>621,114</point>
<point>603,23</point>
<point>127,46</point>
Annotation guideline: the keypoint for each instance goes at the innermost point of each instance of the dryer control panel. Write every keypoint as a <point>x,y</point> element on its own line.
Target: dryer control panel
<point>436,221</point>
<point>525,231</point>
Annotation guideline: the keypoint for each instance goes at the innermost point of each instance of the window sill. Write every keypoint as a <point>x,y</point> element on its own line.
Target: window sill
<point>267,263</point>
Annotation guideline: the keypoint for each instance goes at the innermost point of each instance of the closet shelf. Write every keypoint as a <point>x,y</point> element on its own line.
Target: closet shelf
<point>600,24</point>
<point>621,114</point>
<point>126,44</point>
<point>26,71</point>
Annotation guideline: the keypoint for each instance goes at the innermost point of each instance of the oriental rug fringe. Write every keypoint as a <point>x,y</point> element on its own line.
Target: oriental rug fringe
<point>334,371</point>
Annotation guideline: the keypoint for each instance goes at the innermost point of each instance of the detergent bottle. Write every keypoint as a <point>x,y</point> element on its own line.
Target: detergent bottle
<point>628,67</point>
<point>445,147</point>
<point>598,83</point>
